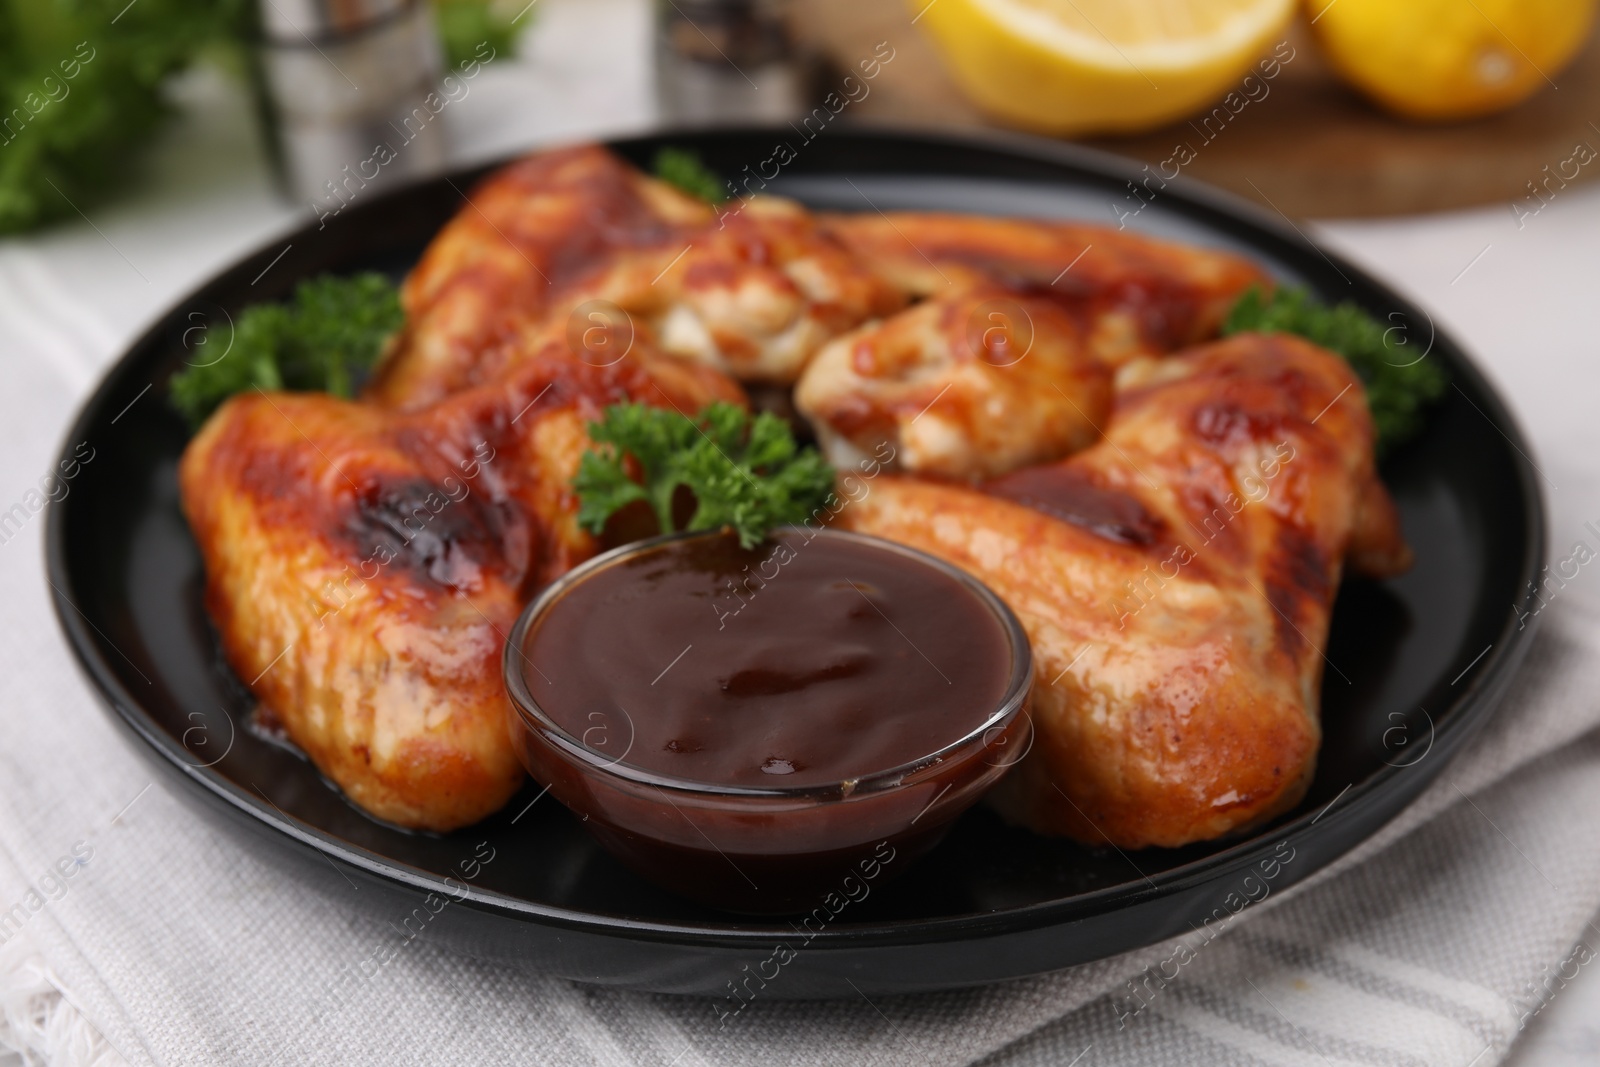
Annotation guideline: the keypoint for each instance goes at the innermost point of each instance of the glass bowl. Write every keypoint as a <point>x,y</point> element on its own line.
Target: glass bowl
<point>767,850</point>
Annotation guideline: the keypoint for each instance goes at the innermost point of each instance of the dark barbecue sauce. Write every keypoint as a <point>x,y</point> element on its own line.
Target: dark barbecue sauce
<point>799,662</point>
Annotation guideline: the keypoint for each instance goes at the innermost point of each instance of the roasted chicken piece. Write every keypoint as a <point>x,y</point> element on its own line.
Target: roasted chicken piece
<point>961,387</point>
<point>1134,295</point>
<point>758,294</point>
<point>577,244</point>
<point>1176,582</point>
<point>364,566</point>
<point>529,236</point>
<point>1007,360</point>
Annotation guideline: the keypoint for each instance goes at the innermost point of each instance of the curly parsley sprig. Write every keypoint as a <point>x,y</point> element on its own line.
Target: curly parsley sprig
<point>684,169</point>
<point>324,339</point>
<point>745,473</point>
<point>1399,383</point>
<point>467,26</point>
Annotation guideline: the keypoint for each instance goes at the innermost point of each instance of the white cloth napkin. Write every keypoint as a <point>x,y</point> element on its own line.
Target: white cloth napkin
<point>1429,945</point>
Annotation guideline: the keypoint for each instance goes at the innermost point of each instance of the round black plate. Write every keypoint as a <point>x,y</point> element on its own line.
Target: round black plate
<point>1415,665</point>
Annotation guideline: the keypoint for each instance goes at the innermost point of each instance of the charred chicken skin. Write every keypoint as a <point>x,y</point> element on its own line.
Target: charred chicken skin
<point>363,567</point>
<point>527,237</point>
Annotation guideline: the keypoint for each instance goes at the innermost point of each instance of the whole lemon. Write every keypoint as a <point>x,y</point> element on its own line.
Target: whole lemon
<point>1450,59</point>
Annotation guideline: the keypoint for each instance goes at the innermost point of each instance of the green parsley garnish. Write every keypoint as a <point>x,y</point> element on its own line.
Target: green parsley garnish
<point>322,340</point>
<point>83,84</point>
<point>745,473</point>
<point>684,169</point>
<point>469,27</point>
<point>1399,381</point>
<point>81,88</point>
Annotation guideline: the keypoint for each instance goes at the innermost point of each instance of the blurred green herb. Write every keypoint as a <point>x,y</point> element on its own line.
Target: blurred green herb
<point>81,85</point>
<point>745,473</point>
<point>466,26</point>
<point>684,169</point>
<point>324,339</point>
<point>1399,383</point>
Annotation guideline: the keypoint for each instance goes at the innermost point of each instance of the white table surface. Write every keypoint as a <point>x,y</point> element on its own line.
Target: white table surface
<point>1524,299</point>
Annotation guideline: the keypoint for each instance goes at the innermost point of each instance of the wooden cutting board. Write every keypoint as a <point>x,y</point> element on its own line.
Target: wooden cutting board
<point>1311,147</point>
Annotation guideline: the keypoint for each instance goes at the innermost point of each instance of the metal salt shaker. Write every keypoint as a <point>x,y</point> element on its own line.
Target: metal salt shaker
<point>345,88</point>
<point>727,62</point>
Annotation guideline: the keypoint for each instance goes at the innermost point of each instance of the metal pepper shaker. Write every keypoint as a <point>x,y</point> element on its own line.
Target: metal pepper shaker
<point>349,95</point>
<point>727,62</point>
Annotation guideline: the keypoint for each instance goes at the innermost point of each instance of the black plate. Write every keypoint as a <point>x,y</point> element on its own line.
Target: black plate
<point>1417,663</point>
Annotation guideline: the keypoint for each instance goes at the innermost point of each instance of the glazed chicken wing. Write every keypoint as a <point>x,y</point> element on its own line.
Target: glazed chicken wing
<point>758,294</point>
<point>754,295</point>
<point>566,243</point>
<point>527,237</point>
<point>363,567</point>
<point>1176,582</point>
<point>1007,359</point>
<point>961,387</point>
<point>1134,295</point>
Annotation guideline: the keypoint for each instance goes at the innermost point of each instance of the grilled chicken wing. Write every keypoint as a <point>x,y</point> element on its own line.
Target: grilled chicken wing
<point>759,293</point>
<point>363,567</point>
<point>566,242</point>
<point>1007,360</point>
<point>961,387</point>
<point>1176,582</point>
<point>527,238</point>
<point>1134,295</point>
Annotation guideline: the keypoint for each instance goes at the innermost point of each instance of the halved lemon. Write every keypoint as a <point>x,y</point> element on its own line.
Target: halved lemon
<point>1101,66</point>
